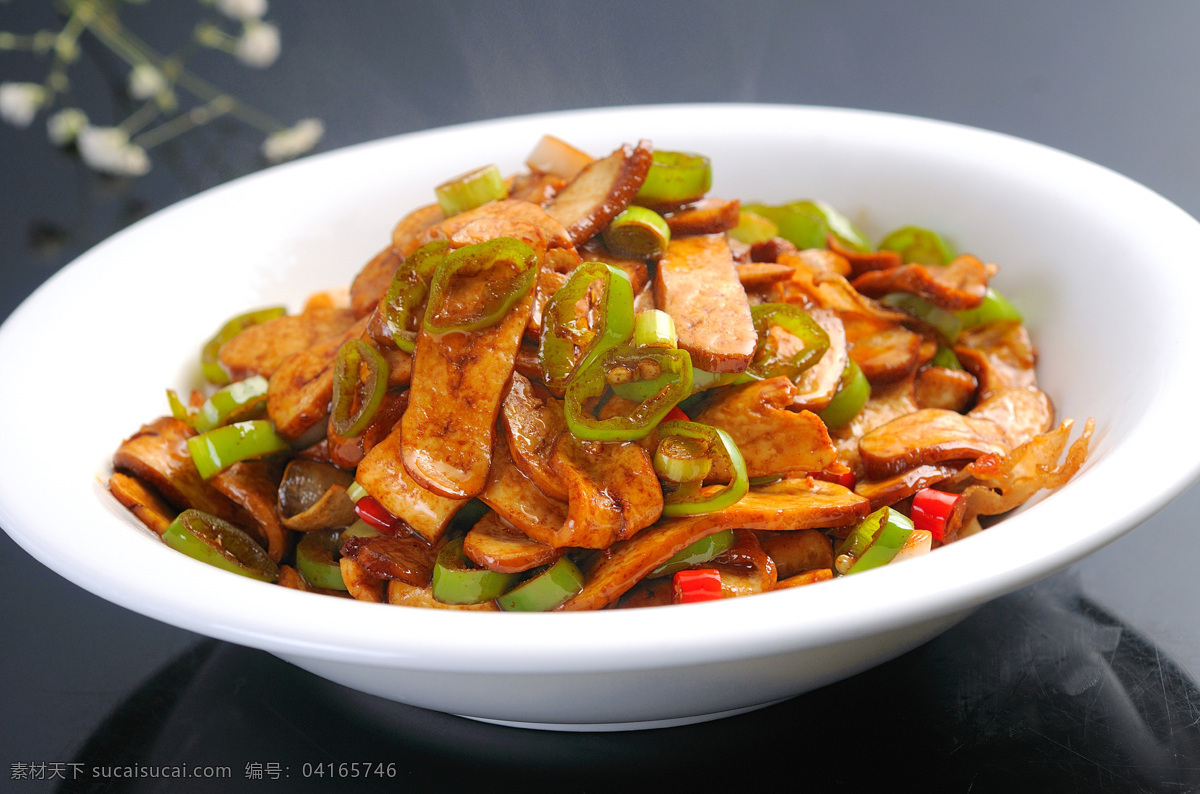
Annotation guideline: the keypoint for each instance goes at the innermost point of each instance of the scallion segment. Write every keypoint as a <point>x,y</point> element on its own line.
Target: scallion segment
<point>691,498</point>
<point>471,190</point>
<point>675,178</point>
<point>654,328</point>
<point>637,233</point>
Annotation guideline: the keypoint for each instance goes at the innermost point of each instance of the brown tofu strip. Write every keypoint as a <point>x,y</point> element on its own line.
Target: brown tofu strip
<point>405,557</point>
<point>706,216</point>
<point>612,487</point>
<point>373,280</point>
<point>403,594</point>
<point>299,391</point>
<point>791,504</point>
<point>254,485</point>
<point>498,546</point>
<point>519,501</point>
<point>260,349</point>
<point>929,436</point>
<point>698,285</point>
<point>601,191</point>
<point>533,419</point>
<point>459,381</point>
<point>141,500</point>
<point>383,475</point>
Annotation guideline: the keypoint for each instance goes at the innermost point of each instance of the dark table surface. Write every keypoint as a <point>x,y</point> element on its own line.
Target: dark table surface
<point>1083,682</point>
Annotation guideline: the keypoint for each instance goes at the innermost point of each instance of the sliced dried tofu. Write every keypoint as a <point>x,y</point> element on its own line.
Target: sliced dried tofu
<point>498,546</point>
<point>407,558</point>
<point>887,355</point>
<point>886,403</point>
<point>999,483</point>
<point>517,500</point>
<point>706,216</point>
<point>961,284</point>
<point>262,348</point>
<point>533,419</point>
<point>158,455</point>
<point>459,381</point>
<point>864,261</point>
<point>999,354</point>
<point>504,218</point>
<point>535,187</point>
<point>1022,412</point>
<point>697,284</point>
<point>903,485</point>
<point>929,436</point>
<point>817,385</point>
<point>361,583</point>
<point>372,282</point>
<point>601,191</point>
<point>299,391</point>
<point>254,485</point>
<point>758,275</point>
<point>808,577</point>
<point>402,594</point>
<point>798,551</point>
<point>382,474</point>
<point>942,387</point>
<point>142,500</point>
<point>772,439</point>
<point>613,491</point>
<point>406,234</point>
<point>790,504</point>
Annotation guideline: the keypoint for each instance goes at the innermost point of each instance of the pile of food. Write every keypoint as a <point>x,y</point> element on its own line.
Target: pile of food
<point>593,385</point>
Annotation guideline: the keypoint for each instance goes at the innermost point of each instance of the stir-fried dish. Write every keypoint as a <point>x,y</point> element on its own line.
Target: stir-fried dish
<point>592,385</point>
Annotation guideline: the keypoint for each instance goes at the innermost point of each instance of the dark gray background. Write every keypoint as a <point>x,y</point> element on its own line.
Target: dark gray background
<point>1115,82</point>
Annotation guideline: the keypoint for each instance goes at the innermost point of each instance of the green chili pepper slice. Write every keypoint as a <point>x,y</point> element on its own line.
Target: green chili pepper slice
<point>473,287</point>
<point>401,305</point>
<point>637,233</point>
<point>357,397</point>
<point>208,354</point>
<point>950,324</point>
<point>316,559</point>
<point>919,245</point>
<point>689,498</point>
<point>675,178</point>
<point>215,541</point>
<point>672,382</point>
<point>224,446</point>
<point>471,190</point>
<point>851,396</point>
<point>546,590</point>
<point>570,342</point>
<point>808,224</point>
<point>702,550</point>
<point>457,581</point>
<point>945,357</point>
<point>769,360</point>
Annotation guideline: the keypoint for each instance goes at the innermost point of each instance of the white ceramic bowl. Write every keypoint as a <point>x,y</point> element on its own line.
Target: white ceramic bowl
<point>1104,269</point>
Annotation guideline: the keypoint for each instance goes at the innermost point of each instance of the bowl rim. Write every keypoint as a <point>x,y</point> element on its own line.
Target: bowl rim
<point>383,635</point>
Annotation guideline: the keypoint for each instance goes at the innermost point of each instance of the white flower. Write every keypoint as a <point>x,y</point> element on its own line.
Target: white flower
<point>65,125</point>
<point>258,45</point>
<point>20,102</point>
<point>294,141</point>
<point>243,10</point>
<point>146,82</point>
<point>108,149</point>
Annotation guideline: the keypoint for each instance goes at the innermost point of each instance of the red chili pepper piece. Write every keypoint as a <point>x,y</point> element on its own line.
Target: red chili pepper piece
<point>931,509</point>
<point>846,479</point>
<point>677,414</point>
<point>697,584</point>
<point>375,514</point>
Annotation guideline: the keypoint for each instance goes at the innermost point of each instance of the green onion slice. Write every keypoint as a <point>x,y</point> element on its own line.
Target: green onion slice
<point>471,190</point>
<point>675,178</point>
<point>654,328</point>
<point>637,233</point>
